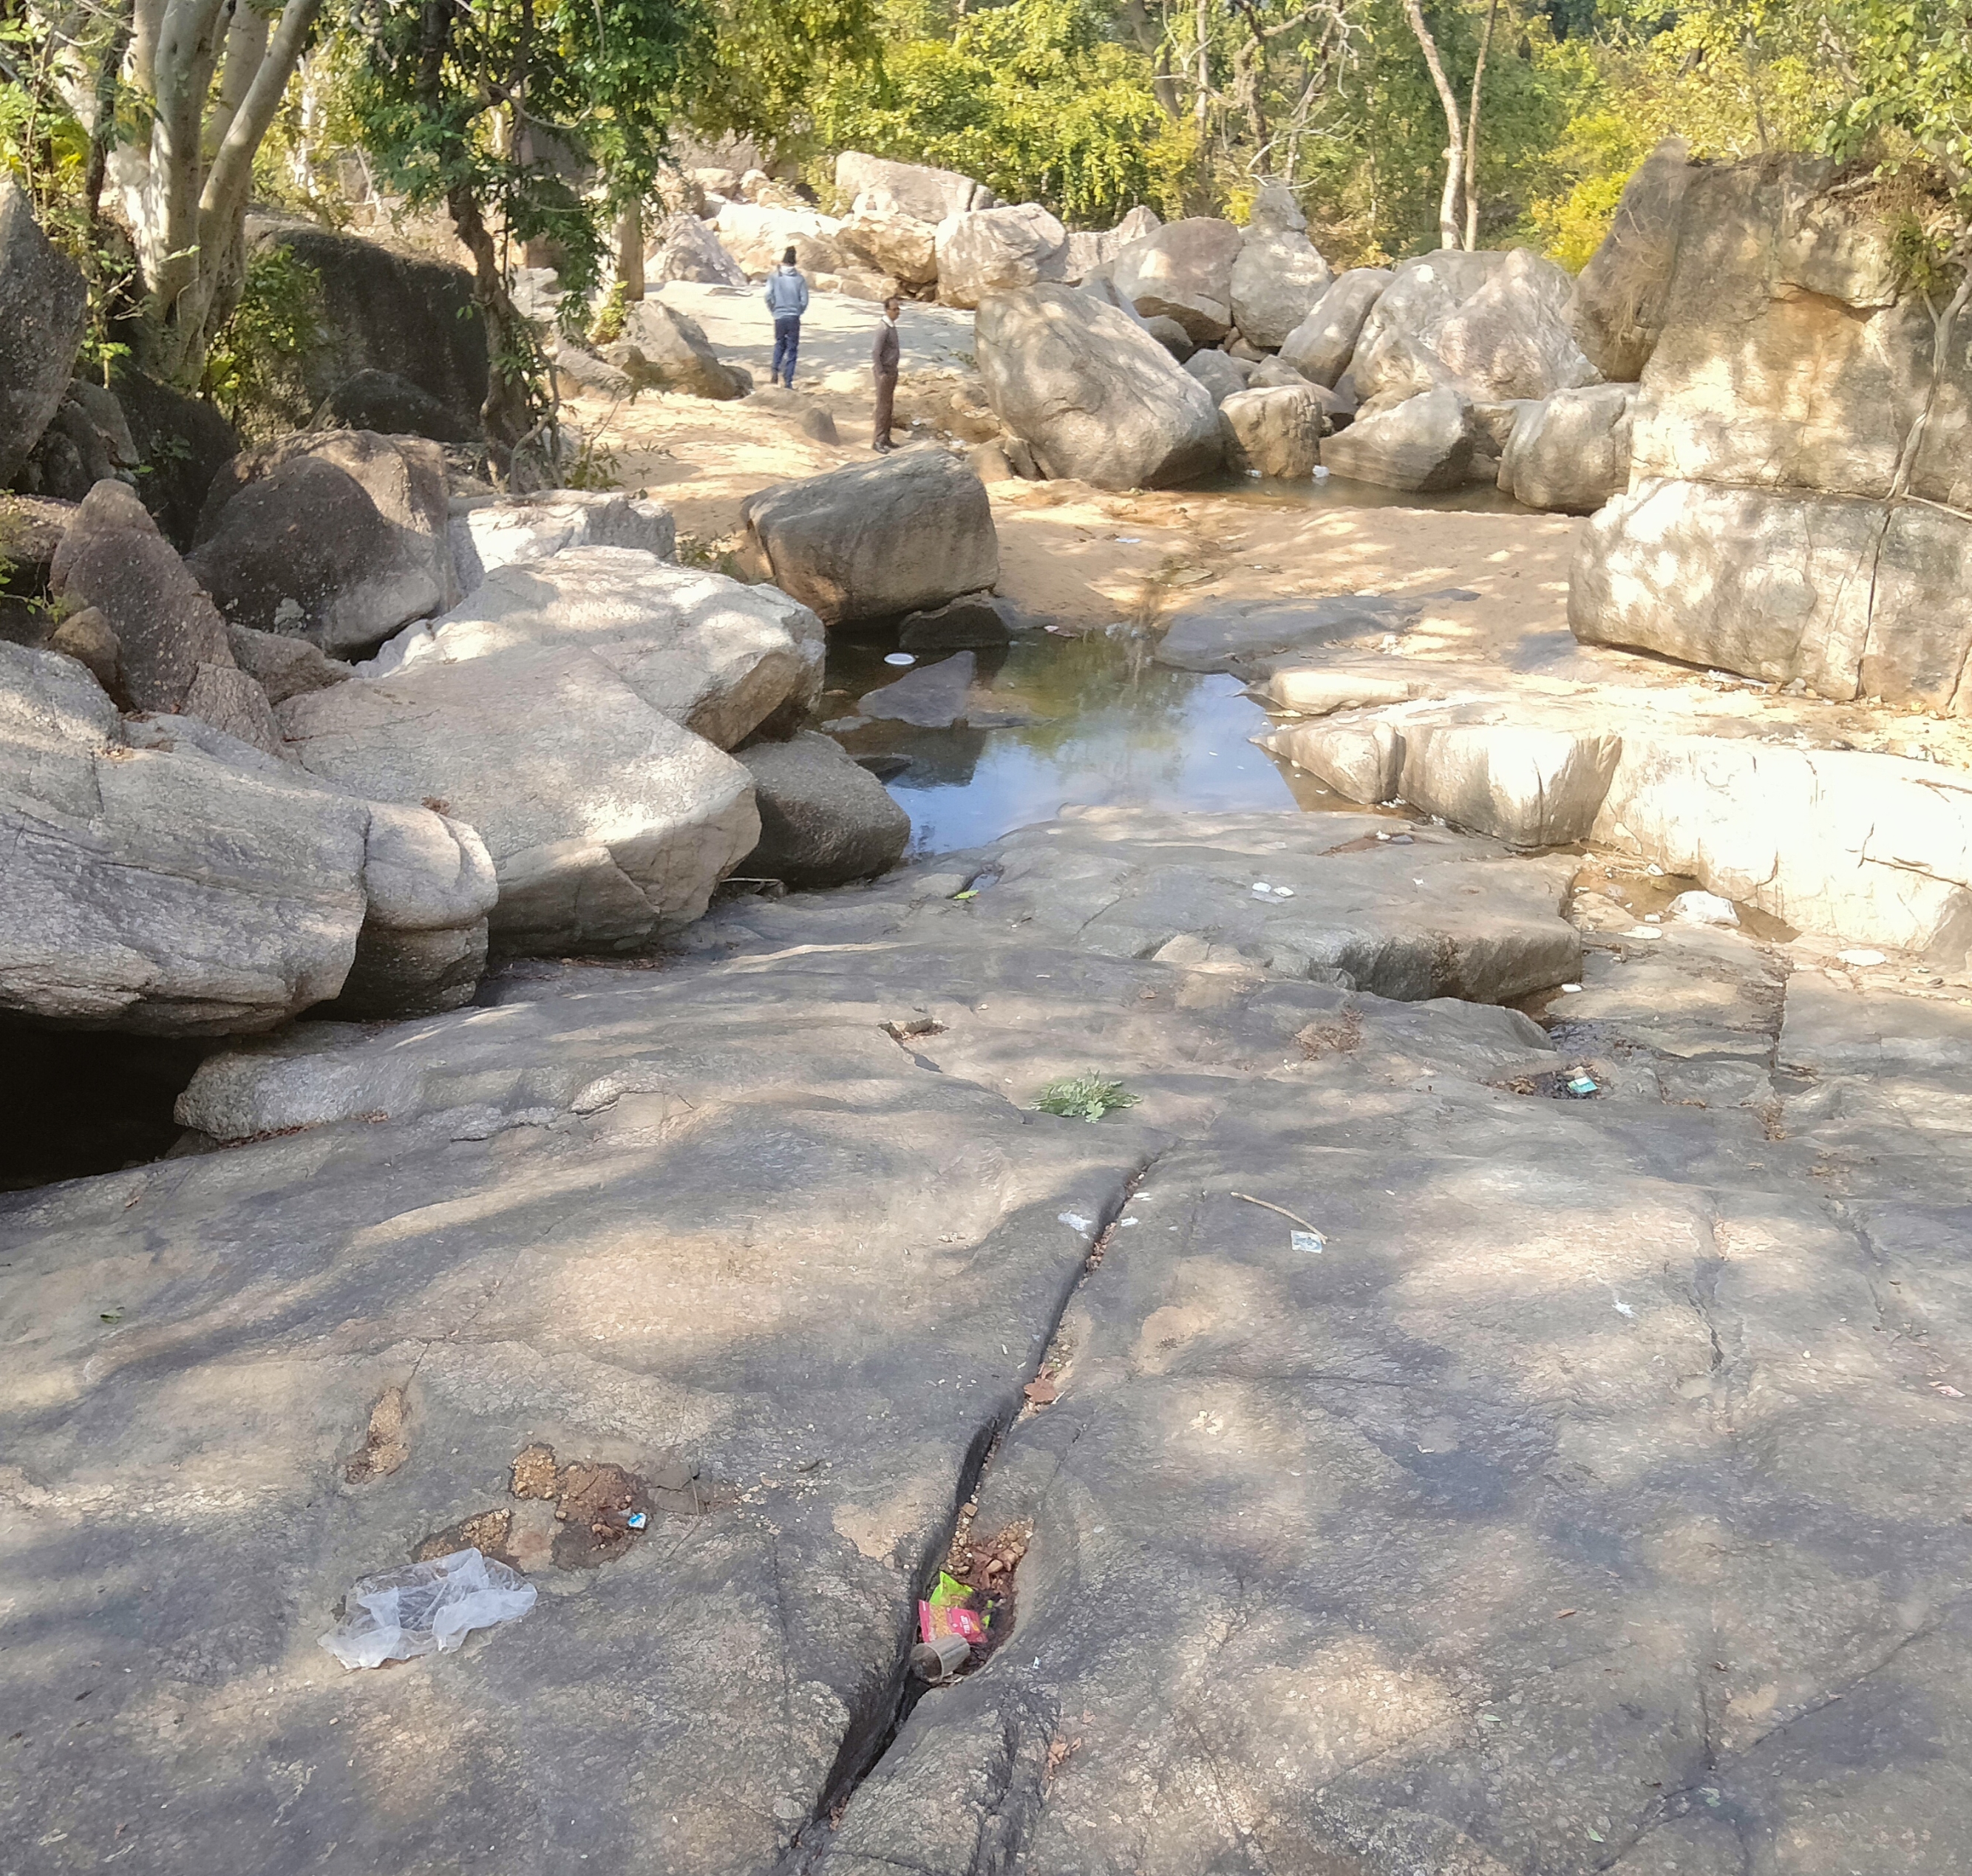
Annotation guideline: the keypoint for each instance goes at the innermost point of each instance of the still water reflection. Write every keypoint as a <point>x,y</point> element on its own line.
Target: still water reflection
<point>1096,723</point>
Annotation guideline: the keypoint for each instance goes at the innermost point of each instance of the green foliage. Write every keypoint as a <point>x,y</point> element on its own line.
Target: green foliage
<point>1084,1097</point>
<point>1909,67</point>
<point>607,326</point>
<point>253,368</point>
<point>1032,97</point>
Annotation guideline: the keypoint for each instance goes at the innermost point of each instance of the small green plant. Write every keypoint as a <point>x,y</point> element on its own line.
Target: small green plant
<point>1084,1097</point>
<point>608,327</point>
<point>253,371</point>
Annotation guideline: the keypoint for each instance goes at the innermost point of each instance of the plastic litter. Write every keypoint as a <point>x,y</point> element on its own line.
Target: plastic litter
<point>948,1626</point>
<point>1312,1242</point>
<point>1569,990</point>
<point>1321,474</point>
<point>899,658</point>
<point>1581,1084</point>
<point>637,1520</point>
<point>1862,957</point>
<point>426,1608</point>
<point>1704,908</point>
<point>936,1661</point>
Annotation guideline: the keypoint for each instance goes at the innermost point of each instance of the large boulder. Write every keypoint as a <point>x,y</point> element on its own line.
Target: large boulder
<point>1617,308</point>
<point>340,536</point>
<point>875,539</point>
<point>1424,444</point>
<point>1788,412</point>
<point>893,243</point>
<point>44,302</point>
<point>1277,432</point>
<point>496,530</point>
<point>1279,275</point>
<point>717,658</point>
<point>688,249</point>
<point>165,879</point>
<point>824,819</point>
<point>1528,787</point>
<point>992,251</point>
<point>1855,598</point>
<point>667,350</point>
<point>607,824</point>
<point>113,561</point>
<point>1092,393</point>
<point>371,309</point>
<point>1570,453</point>
<point>1320,347</point>
<point>913,189</point>
<point>1184,271</point>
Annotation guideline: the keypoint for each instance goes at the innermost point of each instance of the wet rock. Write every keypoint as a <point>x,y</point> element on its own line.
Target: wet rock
<point>1276,432</point>
<point>1213,635</point>
<point>1183,271</point>
<point>1570,453</point>
<point>1092,393</point>
<point>43,304</point>
<point>990,251</point>
<point>932,697</point>
<point>719,658</point>
<point>1224,376</point>
<point>1424,442</point>
<point>1314,690</point>
<point>113,560</point>
<point>488,531</point>
<point>1321,346</point>
<point>664,348</point>
<point>339,537</point>
<point>1617,309</point>
<point>824,820</point>
<point>392,406</point>
<point>974,619</point>
<point>874,539</point>
<point>688,249</point>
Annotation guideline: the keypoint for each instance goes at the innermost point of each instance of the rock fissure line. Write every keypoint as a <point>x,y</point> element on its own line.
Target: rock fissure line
<point>883,1719</point>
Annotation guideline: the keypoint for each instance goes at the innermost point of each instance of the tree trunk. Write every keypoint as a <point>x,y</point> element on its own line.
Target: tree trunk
<point>513,352</point>
<point>1472,132</point>
<point>1455,150</point>
<point>630,251</point>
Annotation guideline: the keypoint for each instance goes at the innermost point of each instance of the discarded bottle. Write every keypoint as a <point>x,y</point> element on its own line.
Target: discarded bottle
<point>940,1660</point>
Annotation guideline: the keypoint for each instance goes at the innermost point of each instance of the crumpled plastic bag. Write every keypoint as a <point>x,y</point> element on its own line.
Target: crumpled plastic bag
<point>426,1608</point>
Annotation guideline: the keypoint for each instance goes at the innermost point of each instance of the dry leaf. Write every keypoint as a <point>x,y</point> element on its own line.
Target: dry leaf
<point>1039,1392</point>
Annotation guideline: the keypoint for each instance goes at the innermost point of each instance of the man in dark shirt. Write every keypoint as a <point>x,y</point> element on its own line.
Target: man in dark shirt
<point>883,358</point>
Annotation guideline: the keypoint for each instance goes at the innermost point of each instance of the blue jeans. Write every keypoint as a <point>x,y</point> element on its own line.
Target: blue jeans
<point>787,343</point>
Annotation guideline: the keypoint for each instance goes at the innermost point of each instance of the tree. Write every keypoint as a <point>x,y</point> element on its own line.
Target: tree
<point>200,83</point>
<point>1454,129</point>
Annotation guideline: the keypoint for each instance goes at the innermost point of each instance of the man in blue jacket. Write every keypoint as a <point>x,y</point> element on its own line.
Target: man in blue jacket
<point>787,300</point>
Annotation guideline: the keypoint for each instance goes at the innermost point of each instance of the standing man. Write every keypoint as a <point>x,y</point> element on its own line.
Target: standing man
<point>787,300</point>
<point>883,358</point>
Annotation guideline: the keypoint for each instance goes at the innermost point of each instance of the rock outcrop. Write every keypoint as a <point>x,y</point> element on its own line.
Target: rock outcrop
<point>493,531</point>
<point>1277,432</point>
<point>42,303</point>
<point>340,536</point>
<point>914,189</point>
<point>1320,347</point>
<point>688,249</point>
<point>1092,393</point>
<point>873,539</point>
<point>893,243</point>
<point>664,349</point>
<point>169,879</point>
<point>1801,499</point>
<point>1616,311</point>
<point>1424,443</point>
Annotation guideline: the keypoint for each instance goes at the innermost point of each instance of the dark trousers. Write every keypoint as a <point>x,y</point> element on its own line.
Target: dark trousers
<point>787,343</point>
<point>887,392</point>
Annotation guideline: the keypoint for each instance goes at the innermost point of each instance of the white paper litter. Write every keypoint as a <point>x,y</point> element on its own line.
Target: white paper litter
<point>426,1608</point>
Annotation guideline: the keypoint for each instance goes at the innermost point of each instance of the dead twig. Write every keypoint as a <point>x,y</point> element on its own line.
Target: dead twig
<point>1267,1204</point>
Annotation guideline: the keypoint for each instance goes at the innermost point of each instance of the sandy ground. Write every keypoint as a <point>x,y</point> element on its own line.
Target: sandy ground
<point>1088,557</point>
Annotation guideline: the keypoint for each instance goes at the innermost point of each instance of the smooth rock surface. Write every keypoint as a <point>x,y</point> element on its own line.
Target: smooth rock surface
<point>339,537</point>
<point>43,304</point>
<point>488,531</point>
<point>998,251</point>
<point>688,249</point>
<point>1222,374</point>
<point>1183,271</point>
<point>1425,442</point>
<point>667,350</point>
<point>1570,453</point>
<point>1321,346</point>
<point>824,821</point>
<point>873,539</point>
<point>1277,279</point>
<point>1092,393</point>
<point>918,190</point>
<point>1276,432</point>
